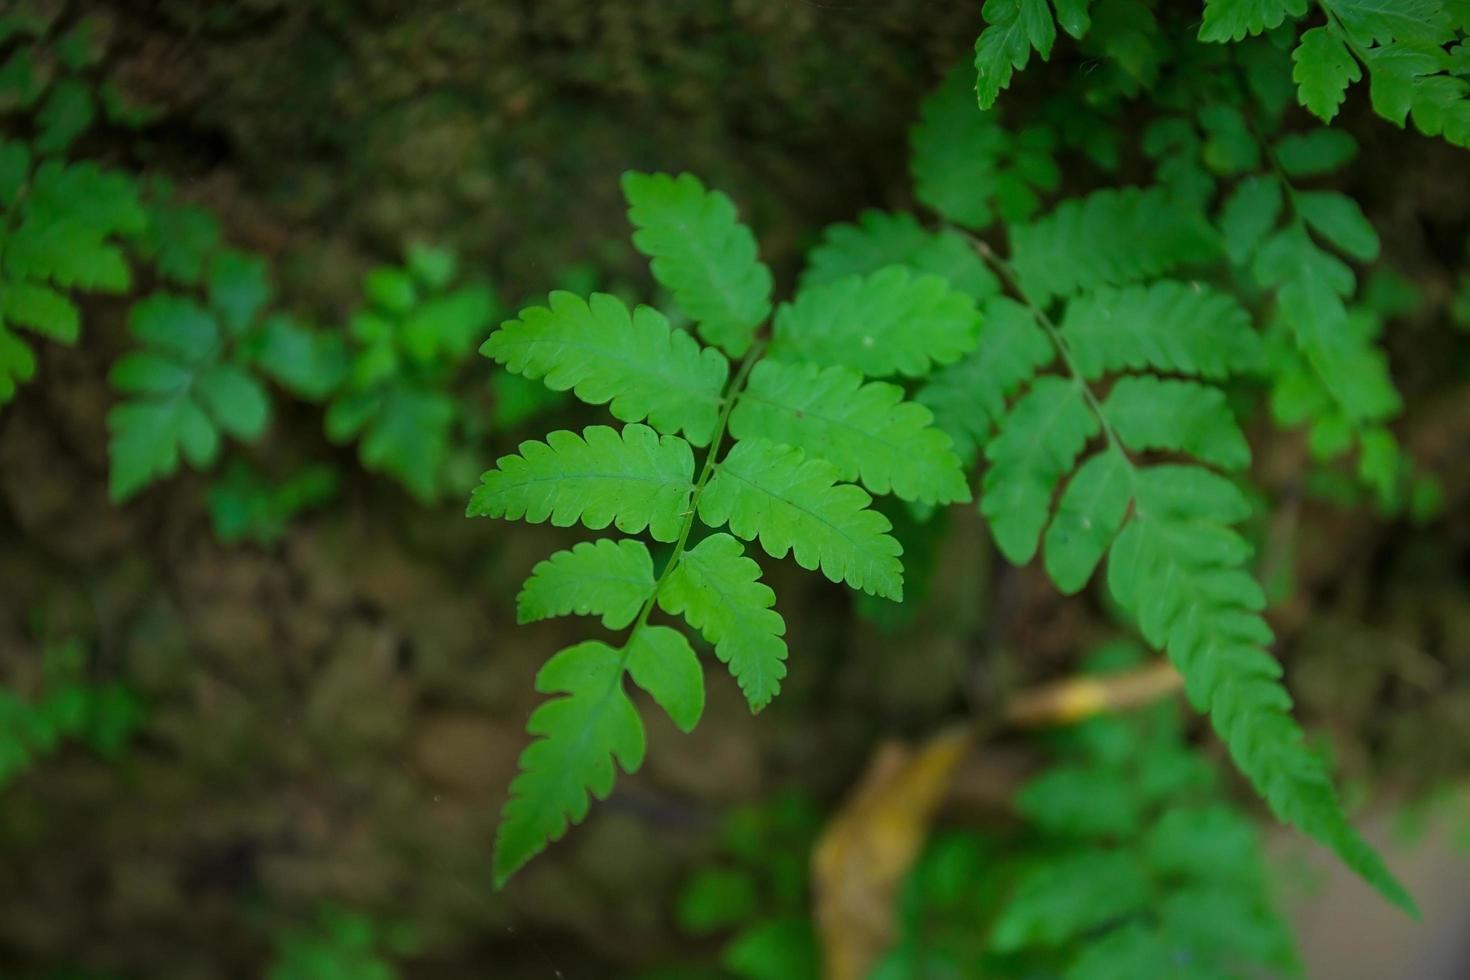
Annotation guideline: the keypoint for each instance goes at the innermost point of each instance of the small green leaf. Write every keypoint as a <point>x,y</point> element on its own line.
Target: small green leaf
<point>611,579</point>
<point>795,504</point>
<point>634,479</point>
<point>703,254</point>
<point>1324,70</point>
<point>891,322</point>
<point>718,590</point>
<point>661,662</point>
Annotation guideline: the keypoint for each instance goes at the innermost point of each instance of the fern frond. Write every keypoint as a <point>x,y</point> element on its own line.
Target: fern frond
<point>607,578</point>
<point>1110,237</point>
<point>1149,413</point>
<point>891,322</point>
<point>884,238</point>
<point>1232,20</point>
<point>633,479</point>
<point>1323,68</point>
<point>968,396</point>
<point>702,254</point>
<point>1176,567</point>
<point>1038,443</point>
<point>1182,328</point>
<point>632,361</point>
<point>1013,29</point>
<point>794,504</point>
<point>719,591</point>
<point>867,431</point>
<point>582,734</point>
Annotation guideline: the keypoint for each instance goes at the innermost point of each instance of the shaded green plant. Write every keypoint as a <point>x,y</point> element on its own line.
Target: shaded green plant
<point>68,707</point>
<point>396,398</point>
<point>1414,53</point>
<point>339,945</point>
<point>245,506</point>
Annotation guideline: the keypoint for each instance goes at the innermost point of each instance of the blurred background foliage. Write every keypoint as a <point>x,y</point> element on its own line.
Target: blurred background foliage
<point>259,721</point>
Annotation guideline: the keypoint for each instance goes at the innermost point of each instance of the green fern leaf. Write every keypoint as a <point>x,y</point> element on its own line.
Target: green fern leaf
<point>1039,441</point>
<point>1081,801</point>
<point>888,323</point>
<point>1232,20</point>
<point>1315,153</point>
<point>1249,214</point>
<point>795,504</point>
<point>883,238</point>
<point>1339,220</point>
<point>1185,328</point>
<point>182,396</point>
<point>309,363</point>
<point>633,479</point>
<point>866,431</point>
<point>66,221</point>
<point>581,734</point>
<point>239,288</point>
<point>703,254</point>
<point>1176,566</point>
<point>1386,21</point>
<point>968,167</point>
<point>1206,843</point>
<point>1068,896</point>
<point>661,661</point>
<point>968,397</point>
<point>1110,237</point>
<point>607,355</point>
<point>1149,413</point>
<point>61,221</point>
<point>718,590</point>
<point>67,113</point>
<point>611,579</point>
<point>1088,516</point>
<point>1013,29</point>
<point>403,428</point>
<point>1311,286</point>
<point>1323,71</point>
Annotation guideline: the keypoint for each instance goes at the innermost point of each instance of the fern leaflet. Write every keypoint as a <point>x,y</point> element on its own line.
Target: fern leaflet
<point>703,254</point>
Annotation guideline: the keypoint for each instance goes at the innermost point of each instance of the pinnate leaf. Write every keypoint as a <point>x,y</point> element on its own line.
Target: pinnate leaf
<point>661,662</point>
<point>607,578</point>
<point>579,737</point>
<point>891,322</point>
<point>1323,71</point>
<point>703,254</point>
<point>867,431</point>
<point>605,354</point>
<point>1176,327</point>
<point>1039,442</point>
<point>633,479</point>
<point>793,503</point>
<point>719,591</point>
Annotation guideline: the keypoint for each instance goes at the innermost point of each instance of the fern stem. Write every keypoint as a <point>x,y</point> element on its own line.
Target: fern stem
<point>737,384</point>
<point>1007,272</point>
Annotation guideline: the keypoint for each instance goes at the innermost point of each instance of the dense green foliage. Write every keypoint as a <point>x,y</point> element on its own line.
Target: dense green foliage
<point>1129,861</point>
<point>1114,291</point>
